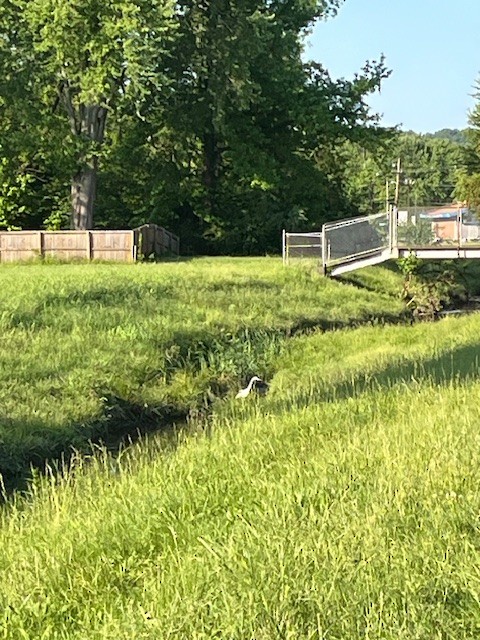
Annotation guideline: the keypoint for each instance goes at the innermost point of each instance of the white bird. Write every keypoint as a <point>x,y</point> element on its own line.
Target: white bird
<point>261,387</point>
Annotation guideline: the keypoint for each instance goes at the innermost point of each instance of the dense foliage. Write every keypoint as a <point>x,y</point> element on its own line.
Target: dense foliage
<point>468,187</point>
<point>201,116</point>
<point>428,171</point>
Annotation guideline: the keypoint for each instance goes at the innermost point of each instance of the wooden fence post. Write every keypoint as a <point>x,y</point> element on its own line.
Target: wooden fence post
<point>133,252</point>
<point>89,245</point>
<point>41,244</point>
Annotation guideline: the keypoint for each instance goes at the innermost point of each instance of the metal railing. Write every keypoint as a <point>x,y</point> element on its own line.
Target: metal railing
<point>302,245</point>
<point>423,227</point>
<point>351,239</point>
<point>428,231</point>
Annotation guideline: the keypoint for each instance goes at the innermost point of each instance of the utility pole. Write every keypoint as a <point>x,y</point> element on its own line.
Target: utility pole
<point>397,182</point>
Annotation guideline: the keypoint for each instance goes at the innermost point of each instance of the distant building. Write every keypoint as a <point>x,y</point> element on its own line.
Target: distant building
<point>451,220</point>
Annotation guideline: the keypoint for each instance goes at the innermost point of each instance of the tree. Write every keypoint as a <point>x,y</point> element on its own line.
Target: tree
<point>80,61</point>
<point>453,135</point>
<point>468,187</point>
<point>248,119</point>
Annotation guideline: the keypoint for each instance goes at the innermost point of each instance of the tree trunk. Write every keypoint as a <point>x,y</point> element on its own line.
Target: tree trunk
<point>84,187</point>
<point>86,122</point>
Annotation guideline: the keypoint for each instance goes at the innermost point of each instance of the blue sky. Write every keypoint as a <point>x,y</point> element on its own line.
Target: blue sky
<point>431,46</point>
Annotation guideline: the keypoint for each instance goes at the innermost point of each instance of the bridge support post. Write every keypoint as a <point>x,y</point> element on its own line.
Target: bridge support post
<point>324,251</point>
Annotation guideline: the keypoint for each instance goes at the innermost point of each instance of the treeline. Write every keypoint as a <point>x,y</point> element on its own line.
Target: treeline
<point>199,115</point>
<point>411,169</point>
<point>408,169</point>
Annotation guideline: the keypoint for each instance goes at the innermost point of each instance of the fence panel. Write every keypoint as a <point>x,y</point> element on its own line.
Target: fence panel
<point>65,245</point>
<point>421,227</point>
<point>437,225</point>
<point>20,245</point>
<point>120,246</point>
<point>302,245</point>
<point>112,245</point>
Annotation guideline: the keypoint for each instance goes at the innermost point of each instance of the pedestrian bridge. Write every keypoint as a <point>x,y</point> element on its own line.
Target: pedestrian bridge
<point>441,233</point>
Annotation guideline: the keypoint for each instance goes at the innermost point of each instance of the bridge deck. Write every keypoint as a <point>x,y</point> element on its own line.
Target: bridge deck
<point>439,252</point>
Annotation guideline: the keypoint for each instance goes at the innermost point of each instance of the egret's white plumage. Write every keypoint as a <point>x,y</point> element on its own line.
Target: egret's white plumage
<point>261,387</point>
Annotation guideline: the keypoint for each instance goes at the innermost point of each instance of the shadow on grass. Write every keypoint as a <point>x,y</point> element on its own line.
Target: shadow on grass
<point>307,325</point>
<point>121,423</point>
<point>454,366</point>
<point>355,280</point>
<point>34,443</point>
<point>254,285</point>
<point>197,345</point>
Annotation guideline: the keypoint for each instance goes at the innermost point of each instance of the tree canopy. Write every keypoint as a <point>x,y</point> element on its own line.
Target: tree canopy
<point>468,186</point>
<point>200,115</point>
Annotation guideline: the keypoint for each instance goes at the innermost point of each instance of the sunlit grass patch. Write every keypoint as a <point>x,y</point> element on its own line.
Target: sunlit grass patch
<point>343,516</point>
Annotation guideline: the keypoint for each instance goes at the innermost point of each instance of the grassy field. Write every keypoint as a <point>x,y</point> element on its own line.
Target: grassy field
<point>98,351</point>
<point>345,504</point>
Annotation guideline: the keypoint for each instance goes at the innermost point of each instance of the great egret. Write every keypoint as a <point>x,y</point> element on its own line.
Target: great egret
<point>255,383</point>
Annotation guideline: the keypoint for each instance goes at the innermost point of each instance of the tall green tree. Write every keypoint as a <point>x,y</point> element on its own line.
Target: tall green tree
<point>248,118</point>
<point>468,187</point>
<point>79,62</point>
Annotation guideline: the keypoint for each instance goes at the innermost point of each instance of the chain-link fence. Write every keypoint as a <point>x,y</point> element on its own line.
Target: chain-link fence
<point>344,240</point>
<point>430,231</point>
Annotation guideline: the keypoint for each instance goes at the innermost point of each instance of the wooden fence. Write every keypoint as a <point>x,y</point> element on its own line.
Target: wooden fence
<point>122,246</point>
<point>152,240</point>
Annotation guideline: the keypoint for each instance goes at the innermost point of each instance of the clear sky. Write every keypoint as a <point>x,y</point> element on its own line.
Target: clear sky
<point>431,46</point>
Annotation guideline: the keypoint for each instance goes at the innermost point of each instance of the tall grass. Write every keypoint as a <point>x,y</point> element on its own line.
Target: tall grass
<point>345,504</point>
<point>98,351</point>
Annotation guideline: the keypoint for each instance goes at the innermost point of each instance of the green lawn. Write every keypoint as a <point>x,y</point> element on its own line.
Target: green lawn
<point>94,351</point>
<point>345,504</point>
